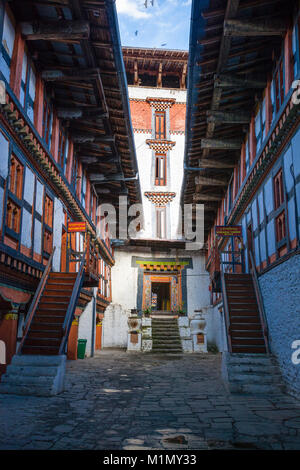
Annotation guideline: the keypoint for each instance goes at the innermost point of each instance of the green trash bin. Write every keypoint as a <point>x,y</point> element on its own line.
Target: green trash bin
<point>81,348</point>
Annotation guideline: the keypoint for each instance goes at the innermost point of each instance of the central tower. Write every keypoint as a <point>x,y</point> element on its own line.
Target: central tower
<point>157,94</point>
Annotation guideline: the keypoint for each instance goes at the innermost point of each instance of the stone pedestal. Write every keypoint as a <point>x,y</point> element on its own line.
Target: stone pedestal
<point>185,334</point>
<point>198,331</point>
<point>146,334</point>
<point>134,338</point>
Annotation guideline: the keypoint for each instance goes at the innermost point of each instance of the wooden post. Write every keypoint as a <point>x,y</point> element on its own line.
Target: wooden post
<point>268,107</point>
<point>252,140</point>
<point>288,61</point>
<point>55,136</point>
<point>39,105</point>
<point>17,63</point>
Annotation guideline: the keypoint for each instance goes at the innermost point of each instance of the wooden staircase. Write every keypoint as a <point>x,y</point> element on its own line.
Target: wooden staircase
<point>245,328</point>
<point>46,329</point>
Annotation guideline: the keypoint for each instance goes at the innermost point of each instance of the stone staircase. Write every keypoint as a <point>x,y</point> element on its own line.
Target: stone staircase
<point>165,336</point>
<point>251,373</point>
<point>34,375</point>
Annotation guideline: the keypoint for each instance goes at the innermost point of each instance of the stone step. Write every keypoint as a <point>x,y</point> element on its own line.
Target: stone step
<point>27,379</point>
<point>168,343</point>
<point>167,351</point>
<point>251,377</point>
<point>34,360</point>
<point>32,371</point>
<point>12,389</point>
<point>34,375</point>
<point>256,389</point>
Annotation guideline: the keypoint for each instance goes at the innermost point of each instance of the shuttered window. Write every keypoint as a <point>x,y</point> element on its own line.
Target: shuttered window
<point>160,170</point>
<point>160,125</point>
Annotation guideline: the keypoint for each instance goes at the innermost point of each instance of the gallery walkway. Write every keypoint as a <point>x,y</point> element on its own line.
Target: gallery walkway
<point>133,401</point>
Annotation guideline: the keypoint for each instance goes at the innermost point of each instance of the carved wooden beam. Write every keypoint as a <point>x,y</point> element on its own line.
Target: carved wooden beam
<point>84,138</point>
<point>183,77</point>
<point>55,30</point>
<point>237,117</point>
<point>235,81</point>
<point>207,181</point>
<point>257,27</point>
<point>75,113</point>
<point>220,144</point>
<point>136,74</point>
<point>207,197</point>
<point>159,76</point>
<point>209,163</point>
<point>71,74</point>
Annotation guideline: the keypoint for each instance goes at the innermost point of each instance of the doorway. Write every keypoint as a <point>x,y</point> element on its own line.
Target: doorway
<point>161,296</point>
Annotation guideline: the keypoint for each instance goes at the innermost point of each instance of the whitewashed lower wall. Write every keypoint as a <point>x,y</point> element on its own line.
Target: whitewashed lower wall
<point>85,327</point>
<point>124,296</point>
<point>115,326</point>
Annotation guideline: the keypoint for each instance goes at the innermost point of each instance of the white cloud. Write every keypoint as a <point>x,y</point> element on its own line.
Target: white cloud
<point>131,8</point>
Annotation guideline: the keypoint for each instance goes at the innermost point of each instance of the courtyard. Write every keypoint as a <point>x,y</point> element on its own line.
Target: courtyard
<point>123,401</point>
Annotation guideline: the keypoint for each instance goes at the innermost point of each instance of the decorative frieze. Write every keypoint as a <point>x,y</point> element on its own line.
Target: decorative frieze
<point>160,145</point>
<point>160,104</point>
<point>161,198</point>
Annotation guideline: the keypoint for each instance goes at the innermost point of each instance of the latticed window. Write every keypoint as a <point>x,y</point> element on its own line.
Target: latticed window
<point>160,170</point>
<point>13,216</point>
<point>278,190</point>
<point>16,177</point>
<point>160,125</point>
<point>280,227</point>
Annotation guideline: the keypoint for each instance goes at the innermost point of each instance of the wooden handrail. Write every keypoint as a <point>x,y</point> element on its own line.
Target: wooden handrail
<point>226,310</point>
<point>259,301</point>
<point>36,299</point>
<point>73,302</point>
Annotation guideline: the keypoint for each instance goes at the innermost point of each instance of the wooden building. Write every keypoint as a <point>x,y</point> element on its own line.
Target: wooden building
<point>66,147</point>
<point>242,162</point>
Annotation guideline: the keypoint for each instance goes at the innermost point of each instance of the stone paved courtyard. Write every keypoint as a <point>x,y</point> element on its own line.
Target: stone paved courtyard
<point>133,401</point>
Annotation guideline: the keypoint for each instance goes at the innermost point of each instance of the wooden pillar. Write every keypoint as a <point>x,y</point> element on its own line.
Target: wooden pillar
<point>288,61</point>
<point>8,334</point>
<point>268,107</point>
<point>98,342</point>
<point>55,136</point>
<point>70,158</point>
<point>39,105</point>
<point>252,140</point>
<point>88,196</point>
<point>17,63</point>
<point>234,190</point>
<point>73,341</point>
<point>79,181</point>
<point>243,162</point>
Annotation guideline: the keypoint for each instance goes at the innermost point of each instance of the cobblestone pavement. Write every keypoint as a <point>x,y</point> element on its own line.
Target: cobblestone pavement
<point>133,401</point>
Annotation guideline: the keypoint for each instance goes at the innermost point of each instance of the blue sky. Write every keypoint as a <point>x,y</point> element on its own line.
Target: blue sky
<point>165,25</point>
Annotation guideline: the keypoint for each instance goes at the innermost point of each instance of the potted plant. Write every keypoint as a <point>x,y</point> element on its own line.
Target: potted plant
<point>147,311</point>
<point>181,311</point>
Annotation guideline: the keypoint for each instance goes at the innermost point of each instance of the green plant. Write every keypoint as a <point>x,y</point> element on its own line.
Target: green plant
<point>181,310</point>
<point>147,311</point>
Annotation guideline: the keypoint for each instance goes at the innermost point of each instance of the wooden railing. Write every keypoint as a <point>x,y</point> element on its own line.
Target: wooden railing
<point>259,301</point>
<point>36,299</point>
<point>73,302</point>
<point>226,310</point>
<point>92,258</point>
